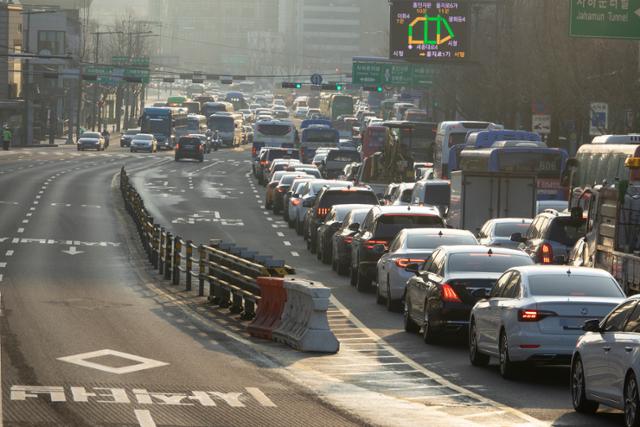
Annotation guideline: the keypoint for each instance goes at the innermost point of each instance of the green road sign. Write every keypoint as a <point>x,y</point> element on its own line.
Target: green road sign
<point>142,61</point>
<point>383,72</point>
<point>111,76</point>
<point>619,19</point>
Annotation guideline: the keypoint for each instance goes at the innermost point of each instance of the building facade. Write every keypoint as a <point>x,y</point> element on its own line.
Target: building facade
<point>10,67</point>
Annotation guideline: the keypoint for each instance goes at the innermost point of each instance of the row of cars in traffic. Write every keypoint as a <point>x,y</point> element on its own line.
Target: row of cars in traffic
<point>492,287</point>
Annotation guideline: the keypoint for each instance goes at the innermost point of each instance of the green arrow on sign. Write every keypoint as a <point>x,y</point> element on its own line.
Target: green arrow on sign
<point>618,19</point>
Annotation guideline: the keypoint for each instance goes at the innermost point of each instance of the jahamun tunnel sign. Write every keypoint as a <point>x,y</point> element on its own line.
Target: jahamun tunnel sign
<point>606,18</point>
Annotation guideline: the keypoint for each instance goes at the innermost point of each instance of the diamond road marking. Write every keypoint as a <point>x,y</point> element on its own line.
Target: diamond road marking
<point>83,360</point>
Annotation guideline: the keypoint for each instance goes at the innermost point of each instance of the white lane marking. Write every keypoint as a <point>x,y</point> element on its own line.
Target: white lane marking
<point>296,254</point>
<point>20,230</point>
<point>260,397</point>
<point>3,264</point>
<point>36,202</point>
<point>25,221</point>
<point>9,253</point>
<point>37,197</point>
<point>287,243</point>
<point>142,363</point>
<point>1,277</point>
<point>32,209</point>
<point>216,214</point>
<point>29,214</point>
<point>269,218</point>
<point>144,418</point>
<point>257,196</point>
<point>15,240</point>
<point>280,234</point>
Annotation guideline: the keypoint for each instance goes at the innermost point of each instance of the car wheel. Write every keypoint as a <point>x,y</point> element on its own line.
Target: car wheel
<point>508,369</point>
<point>298,228</point>
<point>631,401</point>
<point>379,298</point>
<point>276,210</point>
<point>353,276</point>
<point>578,389</point>
<point>363,284</point>
<point>476,358</point>
<point>391,304</point>
<point>409,325</point>
<point>429,336</point>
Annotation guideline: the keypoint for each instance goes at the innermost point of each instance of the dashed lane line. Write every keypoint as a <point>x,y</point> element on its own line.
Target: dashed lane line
<point>295,254</point>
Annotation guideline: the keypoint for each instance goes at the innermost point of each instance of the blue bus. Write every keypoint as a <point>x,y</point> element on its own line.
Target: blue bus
<point>521,157</point>
<point>314,137</point>
<point>165,123</point>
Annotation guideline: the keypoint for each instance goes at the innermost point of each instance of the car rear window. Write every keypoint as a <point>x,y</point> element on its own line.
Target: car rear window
<point>345,197</point>
<point>418,241</point>
<point>566,231</point>
<point>506,229</point>
<point>405,197</point>
<point>387,226</point>
<point>274,129</point>
<point>288,179</point>
<point>573,285</point>
<point>190,141</point>
<point>282,154</point>
<point>343,156</point>
<point>483,262</point>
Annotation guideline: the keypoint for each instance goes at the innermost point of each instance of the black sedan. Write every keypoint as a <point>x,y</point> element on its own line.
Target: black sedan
<point>342,238</point>
<point>440,297</point>
<point>330,226</point>
<point>189,147</point>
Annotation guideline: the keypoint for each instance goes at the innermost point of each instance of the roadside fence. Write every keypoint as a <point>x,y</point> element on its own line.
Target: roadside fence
<point>293,312</point>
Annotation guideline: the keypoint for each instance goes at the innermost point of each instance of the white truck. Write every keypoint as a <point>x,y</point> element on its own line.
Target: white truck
<point>477,197</point>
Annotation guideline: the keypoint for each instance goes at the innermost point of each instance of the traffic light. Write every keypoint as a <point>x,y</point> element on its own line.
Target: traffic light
<point>289,85</point>
<point>378,89</point>
<point>333,86</point>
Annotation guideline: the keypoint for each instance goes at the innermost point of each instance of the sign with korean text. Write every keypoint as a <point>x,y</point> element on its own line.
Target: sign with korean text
<point>541,123</point>
<point>428,31</point>
<point>606,18</point>
<point>383,72</point>
<point>142,61</point>
<point>599,118</point>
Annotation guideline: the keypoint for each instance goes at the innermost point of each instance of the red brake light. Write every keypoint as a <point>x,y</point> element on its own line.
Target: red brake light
<point>296,202</point>
<point>449,294</point>
<point>404,262</point>
<point>530,315</point>
<point>264,162</point>
<point>322,212</point>
<point>546,253</point>
<point>372,243</point>
<point>348,240</point>
<point>280,190</point>
<point>177,146</point>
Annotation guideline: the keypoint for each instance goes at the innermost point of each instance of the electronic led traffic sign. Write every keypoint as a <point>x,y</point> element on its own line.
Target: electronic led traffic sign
<point>428,30</point>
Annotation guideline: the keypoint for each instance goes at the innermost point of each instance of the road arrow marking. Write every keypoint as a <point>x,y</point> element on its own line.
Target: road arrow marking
<point>72,251</point>
<point>144,418</point>
<point>637,12</point>
<point>140,363</point>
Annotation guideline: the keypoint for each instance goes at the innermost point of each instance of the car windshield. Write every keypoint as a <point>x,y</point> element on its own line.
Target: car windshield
<point>483,262</point>
<point>566,231</point>
<point>506,229</point>
<point>90,135</point>
<point>421,241</point>
<point>405,197</point>
<point>389,225</point>
<point>574,285</point>
<point>132,132</point>
<point>144,137</point>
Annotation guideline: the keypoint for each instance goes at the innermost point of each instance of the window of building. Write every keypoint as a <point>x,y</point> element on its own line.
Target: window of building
<point>52,41</point>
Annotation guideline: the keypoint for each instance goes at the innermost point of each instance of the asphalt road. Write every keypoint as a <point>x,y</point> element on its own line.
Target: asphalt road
<point>87,339</point>
<point>217,199</point>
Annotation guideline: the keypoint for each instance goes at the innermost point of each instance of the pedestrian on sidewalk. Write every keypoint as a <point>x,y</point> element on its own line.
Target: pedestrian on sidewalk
<point>7,136</point>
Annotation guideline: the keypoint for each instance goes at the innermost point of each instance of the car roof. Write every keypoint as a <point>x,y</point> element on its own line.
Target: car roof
<point>352,206</point>
<point>481,249</point>
<point>510,220</point>
<point>330,187</point>
<point>437,231</point>
<point>540,270</point>
<point>421,210</point>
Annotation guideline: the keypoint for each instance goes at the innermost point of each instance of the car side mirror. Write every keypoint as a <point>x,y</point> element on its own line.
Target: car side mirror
<point>413,268</point>
<point>354,227</point>
<point>517,237</point>
<point>308,202</point>
<point>592,325</point>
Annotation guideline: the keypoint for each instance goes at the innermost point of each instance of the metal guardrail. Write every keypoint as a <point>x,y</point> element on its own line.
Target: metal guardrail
<point>230,271</point>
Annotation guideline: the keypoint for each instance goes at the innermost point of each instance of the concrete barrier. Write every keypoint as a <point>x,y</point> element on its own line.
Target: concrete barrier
<point>304,325</point>
<point>273,297</point>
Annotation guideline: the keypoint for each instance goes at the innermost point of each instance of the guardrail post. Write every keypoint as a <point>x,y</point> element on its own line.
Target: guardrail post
<point>201,270</point>
<point>177,259</point>
<point>213,298</point>
<point>249,311</point>
<point>189,264</point>
<point>154,245</point>
<point>167,257</point>
<point>236,303</point>
<point>161,245</point>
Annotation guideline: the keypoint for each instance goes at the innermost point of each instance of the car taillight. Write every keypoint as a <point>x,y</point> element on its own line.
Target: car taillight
<point>448,293</point>
<point>296,202</point>
<point>529,315</point>
<point>264,162</point>
<point>348,240</point>
<point>201,147</point>
<point>404,262</point>
<point>546,254</point>
<point>322,212</point>
<point>371,243</point>
<point>281,190</point>
<point>177,146</point>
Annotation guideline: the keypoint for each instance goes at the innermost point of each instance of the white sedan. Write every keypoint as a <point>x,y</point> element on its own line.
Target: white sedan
<point>411,246</point>
<point>606,363</point>
<point>535,314</point>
